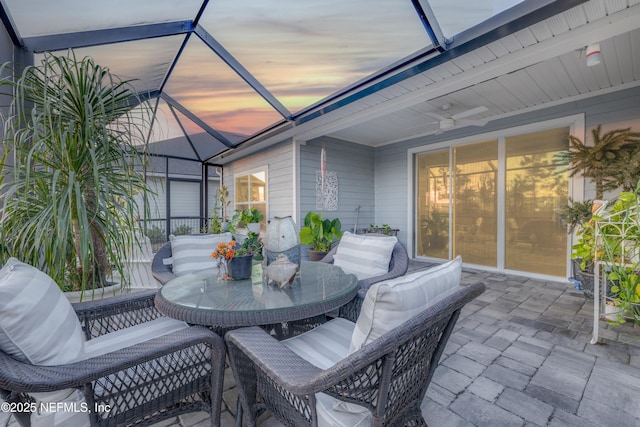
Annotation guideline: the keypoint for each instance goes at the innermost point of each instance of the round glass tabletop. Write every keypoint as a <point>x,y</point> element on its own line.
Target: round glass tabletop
<point>203,298</point>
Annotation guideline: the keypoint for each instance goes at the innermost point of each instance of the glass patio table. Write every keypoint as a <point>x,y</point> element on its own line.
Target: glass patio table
<point>202,298</point>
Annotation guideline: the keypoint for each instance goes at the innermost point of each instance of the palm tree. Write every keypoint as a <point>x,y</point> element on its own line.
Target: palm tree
<point>74,131</point>
<point>611,162</point>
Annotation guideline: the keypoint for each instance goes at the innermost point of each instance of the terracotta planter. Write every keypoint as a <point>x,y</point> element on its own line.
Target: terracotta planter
<point>240,267</point>
<point>316,255</point>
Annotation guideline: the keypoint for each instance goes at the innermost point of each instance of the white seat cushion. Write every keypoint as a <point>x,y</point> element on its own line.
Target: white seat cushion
<point>364,255</point>
<point>37,323</point>
<point>132,335</point>
<point>96,347</point>
<point>193,253</point>
<point>390,303</point>
<point>323,347</point>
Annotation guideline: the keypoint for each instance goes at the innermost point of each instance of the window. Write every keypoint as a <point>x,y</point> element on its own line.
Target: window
<point>251,191</point>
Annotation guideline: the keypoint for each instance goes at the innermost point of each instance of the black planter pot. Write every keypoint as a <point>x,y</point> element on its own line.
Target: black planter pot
<point>240,267</point>
<point>587,279</point>
<point>316,255</point>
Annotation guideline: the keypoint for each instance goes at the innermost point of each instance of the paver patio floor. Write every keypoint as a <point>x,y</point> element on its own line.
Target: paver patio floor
<point>520,356</point>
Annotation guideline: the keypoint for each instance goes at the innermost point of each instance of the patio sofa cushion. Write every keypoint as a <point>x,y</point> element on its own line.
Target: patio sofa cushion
<point>130,336</point>
<point>193,252</point>
<point>364,255</point>
<point>37,323</point>
<point>390,303</point>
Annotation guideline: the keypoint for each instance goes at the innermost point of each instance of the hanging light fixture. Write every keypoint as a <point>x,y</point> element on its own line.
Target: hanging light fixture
<point>594,57</point>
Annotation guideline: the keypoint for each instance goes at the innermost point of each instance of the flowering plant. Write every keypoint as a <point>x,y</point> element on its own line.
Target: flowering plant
<point>223,254</point>
<point>225,250</point>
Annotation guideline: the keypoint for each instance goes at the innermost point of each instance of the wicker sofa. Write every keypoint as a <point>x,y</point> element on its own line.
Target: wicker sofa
<point>140,384</point>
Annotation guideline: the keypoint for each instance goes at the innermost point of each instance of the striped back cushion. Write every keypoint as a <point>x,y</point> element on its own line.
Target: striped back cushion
<point>37,323</point>
<point>364,255</point>
<point>390,303</point>
<point>193,253</point>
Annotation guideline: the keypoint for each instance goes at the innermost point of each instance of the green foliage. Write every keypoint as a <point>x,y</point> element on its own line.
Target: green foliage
<point>156,234</point>
<point>242,217</point>
<point>214,226</point>
<point>251,245</point>
<point>585,247</point>
<point>69,205</point>
<point>222,202</point>
<point>574,214</point>
<point>320,233</point>
<point>381,229</point>
<point>182,230</point>
<point>618,245</point>
<point>613,161</point>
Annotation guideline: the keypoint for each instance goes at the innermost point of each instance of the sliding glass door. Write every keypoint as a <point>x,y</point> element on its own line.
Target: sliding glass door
<point>536,188</point>
<point>495,203</point>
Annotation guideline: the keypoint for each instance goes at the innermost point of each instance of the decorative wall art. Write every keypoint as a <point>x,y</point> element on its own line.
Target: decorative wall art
<point>326,185</point>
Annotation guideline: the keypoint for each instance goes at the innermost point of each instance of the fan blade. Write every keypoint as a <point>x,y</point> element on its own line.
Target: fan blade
<point>480,123</point>
<point>471,112</point>
<point>438,117</point>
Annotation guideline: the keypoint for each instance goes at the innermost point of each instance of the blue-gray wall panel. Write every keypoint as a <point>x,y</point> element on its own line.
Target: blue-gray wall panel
<point>618,109</point>
<point>354,166</point>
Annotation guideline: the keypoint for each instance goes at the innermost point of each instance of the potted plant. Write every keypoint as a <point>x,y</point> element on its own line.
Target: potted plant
<point>214,226</point>
<point>612,162</point>
<point>222,204</point>
<point>618,248</point>
<point>252,245</point>
<point>249,218</point>
<point>69,206</point>
<point>381,229</point>
<point>235,260</point>
<point>319,234</point>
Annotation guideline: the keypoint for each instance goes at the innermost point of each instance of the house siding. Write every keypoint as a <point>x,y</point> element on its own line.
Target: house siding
<point>280,177</point>
<point>393,204</point>
<point>354,167</point>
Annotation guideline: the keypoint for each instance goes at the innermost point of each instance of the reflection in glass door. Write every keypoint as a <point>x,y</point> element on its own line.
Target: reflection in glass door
<point>475,202</point>
<point>432,238</point>
<point>495,203</point>
<point>536,240</point>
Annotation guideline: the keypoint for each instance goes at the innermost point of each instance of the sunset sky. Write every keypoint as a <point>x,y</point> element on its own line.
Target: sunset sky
<point>301,51</point>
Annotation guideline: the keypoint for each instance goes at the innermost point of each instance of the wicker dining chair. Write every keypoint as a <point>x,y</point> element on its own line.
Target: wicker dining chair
<point>162,272</point>
<point>398,266</point>
<point>387,377</point>
<point>141,384</point>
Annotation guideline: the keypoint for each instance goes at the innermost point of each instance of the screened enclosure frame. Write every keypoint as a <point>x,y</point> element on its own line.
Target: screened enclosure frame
<point>441,42</point>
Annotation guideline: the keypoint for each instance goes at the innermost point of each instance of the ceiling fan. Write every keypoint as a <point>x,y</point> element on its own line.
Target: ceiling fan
<point>447,121</point>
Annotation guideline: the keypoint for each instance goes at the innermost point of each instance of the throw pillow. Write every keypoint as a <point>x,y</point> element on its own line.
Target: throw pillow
<point>364,255</point>
<point>193,253</point>
<point>37,323</point>
<point>390,303</point>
